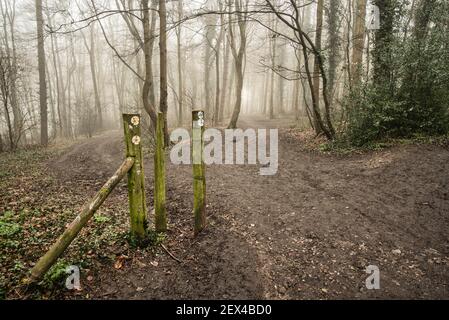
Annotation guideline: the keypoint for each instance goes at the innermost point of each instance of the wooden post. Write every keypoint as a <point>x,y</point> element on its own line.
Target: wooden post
<point>199,179</point>
<point>160,213</point>
<point>136,178</point>
<point>80,221</point>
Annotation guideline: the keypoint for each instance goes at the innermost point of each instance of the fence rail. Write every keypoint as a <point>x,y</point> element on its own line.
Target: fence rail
<point>45,263</point>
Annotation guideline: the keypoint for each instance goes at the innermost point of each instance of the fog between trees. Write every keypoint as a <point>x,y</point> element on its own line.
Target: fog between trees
<point>70,68</point>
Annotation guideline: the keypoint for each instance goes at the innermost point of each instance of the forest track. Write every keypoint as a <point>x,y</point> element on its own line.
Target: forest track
<point>307,232</point>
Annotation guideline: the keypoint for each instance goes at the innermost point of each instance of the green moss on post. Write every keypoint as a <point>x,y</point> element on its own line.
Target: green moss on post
<point>159,177</point>
<point>199,179</point>
<point>136,178</point>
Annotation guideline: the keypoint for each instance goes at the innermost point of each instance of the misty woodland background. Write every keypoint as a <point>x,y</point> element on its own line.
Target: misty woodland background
<point>313,60</point>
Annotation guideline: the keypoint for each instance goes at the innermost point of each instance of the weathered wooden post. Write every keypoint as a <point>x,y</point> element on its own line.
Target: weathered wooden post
<point>199,179</point>
<point>160,213</point>
<point>136,178</point>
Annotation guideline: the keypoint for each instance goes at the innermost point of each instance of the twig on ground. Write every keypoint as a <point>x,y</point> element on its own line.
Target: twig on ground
<point>108,293</point>
<point>170,254</point>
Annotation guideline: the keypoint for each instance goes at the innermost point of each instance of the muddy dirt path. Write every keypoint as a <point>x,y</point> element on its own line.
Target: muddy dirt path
<point>308,232</point>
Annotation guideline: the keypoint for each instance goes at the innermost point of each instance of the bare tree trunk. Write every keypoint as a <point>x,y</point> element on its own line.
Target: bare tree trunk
<point>266,84</point>
<point>316,68</point>
<point>271,109</point>
<point>119,86</point>
<point>224,80</point>
<point>209,37</point>
<point>72,63</point>
<point>231,91</point>
<point>273,48</point>
<point>163,99</point>
<point>93,70</point>
<point>239,56</point>
<point>359,42</point>
<point>297,90</point>
<point>281,83</point>
<point>180,65</point>
<point>9,13</point>
<point>5,92</point>
<point>334,44</point>
<point>42,76</point>
<point>306,42</point>
<point>148,99</point>
<point>10,129</point>
<point>217,69</point>
<point>217,86</point>
<point>54,122</point>
<point>58,84</point>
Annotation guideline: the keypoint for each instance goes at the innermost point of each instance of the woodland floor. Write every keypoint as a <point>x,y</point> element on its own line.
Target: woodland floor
<point>308,232</point>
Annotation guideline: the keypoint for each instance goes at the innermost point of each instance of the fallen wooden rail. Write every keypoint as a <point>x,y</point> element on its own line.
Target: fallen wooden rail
<point>133,166</point>
<point>45,263</point>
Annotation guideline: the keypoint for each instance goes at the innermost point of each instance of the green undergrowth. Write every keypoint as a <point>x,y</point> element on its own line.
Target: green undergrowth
<point>342,147</point>
<point>152,240</point>
<point>36,207</point>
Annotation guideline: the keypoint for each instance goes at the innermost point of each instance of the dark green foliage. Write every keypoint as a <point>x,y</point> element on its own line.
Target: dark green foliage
<point>425,70</point>
<point>151,240</point>
<point>409,92</point>
<point>56,276</point>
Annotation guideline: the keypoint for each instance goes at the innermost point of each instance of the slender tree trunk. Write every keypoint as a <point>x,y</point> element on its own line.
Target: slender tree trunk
<point>266,93</point>
<point>297,90</point>
<point>231,91</point>
<point>70,71</point>
<point>54,121</point>
<point>4,82</point>
<point>148,98</point>
<point>93,70</point>
<point>217,87</point>
<point>316,68</point>
<point>359,42</point>
<point>42,76</point>
<point>58,85</point>
<point>180,65</point>
<point>334,44</point>
<point>239,56</point>
<point>224,88</point>
<point>209,36</point>
<point>217,70</point>
<point>9,13</point>
<point>273,41</point>
<point>271,109</point>
<point>163,67</point>
<point>315,99</point>
<point>281,84</point>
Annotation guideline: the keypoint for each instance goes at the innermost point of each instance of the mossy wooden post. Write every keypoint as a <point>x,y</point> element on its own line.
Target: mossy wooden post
<point>199,179</point>
<point>160,213</point>
<point>136,178</point>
